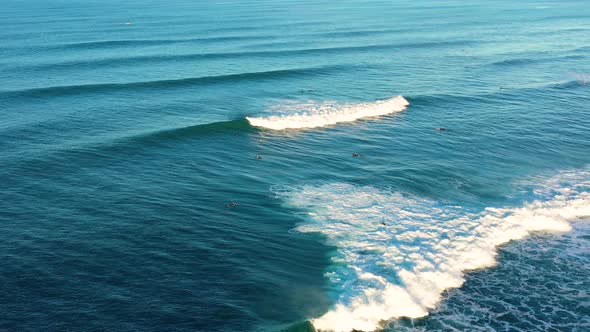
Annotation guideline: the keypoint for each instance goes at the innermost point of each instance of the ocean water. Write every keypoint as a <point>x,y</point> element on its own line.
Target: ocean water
<point>276,165</point>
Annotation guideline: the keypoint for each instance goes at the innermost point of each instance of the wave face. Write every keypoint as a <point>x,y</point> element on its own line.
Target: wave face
<point>397,253</point>
<point>321,115</point>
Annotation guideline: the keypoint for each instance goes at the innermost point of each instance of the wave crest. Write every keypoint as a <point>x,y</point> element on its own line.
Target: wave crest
<point>330,114</point>
<point>397,254</point>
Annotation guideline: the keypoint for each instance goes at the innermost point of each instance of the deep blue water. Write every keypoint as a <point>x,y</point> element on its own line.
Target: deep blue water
<point>124,139</point>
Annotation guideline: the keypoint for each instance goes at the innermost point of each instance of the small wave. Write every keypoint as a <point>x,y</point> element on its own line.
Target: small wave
<point>162,58</point>
<point>151,42</point>
<point>525,61</point>
<point>361,33</point>
<point>398,253</point>
<point>100,44</point>
<point>582,49</point>
<point>578,83</point>
<point>506,92</point>
<point>511,62</point>
<point>54,91</point>
<point>329,114</point>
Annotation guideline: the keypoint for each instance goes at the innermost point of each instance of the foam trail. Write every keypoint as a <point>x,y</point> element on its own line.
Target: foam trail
<point>397,254</point>
<point>329,114</point>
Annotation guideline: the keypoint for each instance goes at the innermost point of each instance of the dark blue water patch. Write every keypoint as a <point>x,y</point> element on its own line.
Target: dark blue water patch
<point>94,237</point>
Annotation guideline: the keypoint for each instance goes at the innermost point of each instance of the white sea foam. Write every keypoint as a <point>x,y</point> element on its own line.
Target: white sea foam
<point>320,115</point>
<point>401,268</point>
<point>582,78</point>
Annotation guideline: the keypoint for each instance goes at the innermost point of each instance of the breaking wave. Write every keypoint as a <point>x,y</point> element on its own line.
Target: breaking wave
<point>398,253</point>
<point>321,115</point>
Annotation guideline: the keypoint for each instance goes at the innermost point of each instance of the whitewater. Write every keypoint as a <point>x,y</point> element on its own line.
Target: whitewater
<point>326,114</point>
<point>397,253</point>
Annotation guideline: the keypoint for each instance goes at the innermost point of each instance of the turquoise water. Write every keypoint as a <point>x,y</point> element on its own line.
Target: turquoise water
<point>128,130</point>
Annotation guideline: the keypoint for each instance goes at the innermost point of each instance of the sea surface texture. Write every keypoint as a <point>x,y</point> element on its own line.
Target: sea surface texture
<point>294,165</point>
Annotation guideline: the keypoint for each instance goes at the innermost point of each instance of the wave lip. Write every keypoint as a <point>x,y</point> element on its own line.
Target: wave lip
<point>397,253</point>
<point>325,114</point>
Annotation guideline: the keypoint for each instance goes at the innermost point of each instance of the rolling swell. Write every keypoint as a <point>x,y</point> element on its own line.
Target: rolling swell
<point>152,59</point>
<point>102,88</point>
<point>103,145</point>
<point>150,42</point>
<point>525,61</point>
<point>159,42</point>
<point>498,95</point>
